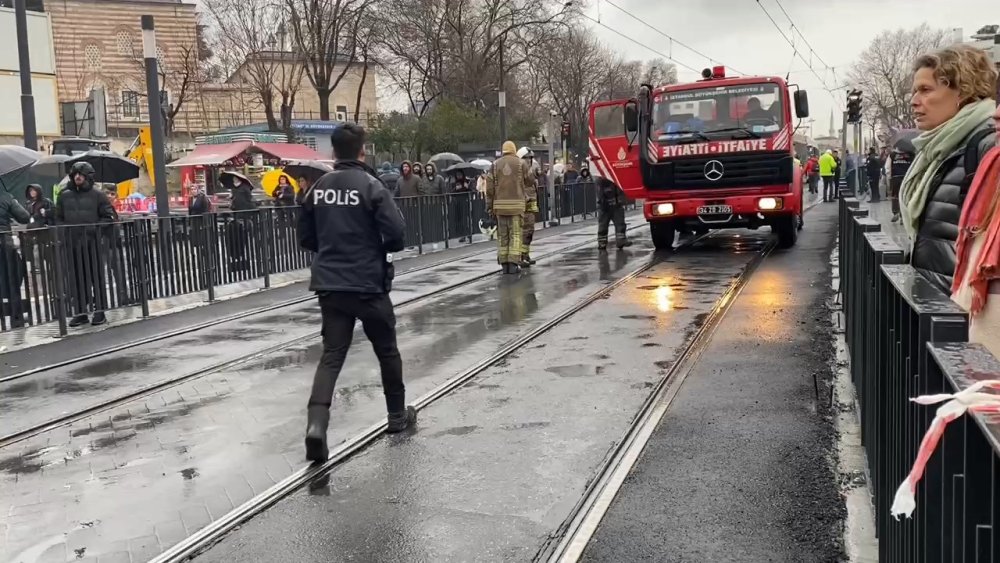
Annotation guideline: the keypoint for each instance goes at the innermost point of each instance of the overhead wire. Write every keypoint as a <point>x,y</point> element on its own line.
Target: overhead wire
<point>796,52</point>
<point>641,44</point>
<point>670,37</point>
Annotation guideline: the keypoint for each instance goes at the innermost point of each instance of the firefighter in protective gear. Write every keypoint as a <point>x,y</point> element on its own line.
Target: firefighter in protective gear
<point>505,201</point>
<point>531,207</point>
<point>610,208</point>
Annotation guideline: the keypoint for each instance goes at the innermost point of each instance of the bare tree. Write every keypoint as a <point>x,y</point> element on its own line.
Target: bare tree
<point>325,33</point>
<point>884,72</point>
<point>249,49</point>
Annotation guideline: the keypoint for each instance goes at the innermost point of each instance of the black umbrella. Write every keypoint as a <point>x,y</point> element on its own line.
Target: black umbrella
<point>443,160</point>
<point>310,169</point>
<point>16,157</point>
<point>226,178</point>
<point>109,167</point>
<point>467,168</point>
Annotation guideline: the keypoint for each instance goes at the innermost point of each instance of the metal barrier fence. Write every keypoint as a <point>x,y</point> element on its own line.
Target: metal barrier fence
<point>907,338</point>
<point>53,274</point>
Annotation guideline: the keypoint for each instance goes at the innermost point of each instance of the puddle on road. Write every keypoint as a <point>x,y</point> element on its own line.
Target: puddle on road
<point>112,366</point>
<point>578,370</point>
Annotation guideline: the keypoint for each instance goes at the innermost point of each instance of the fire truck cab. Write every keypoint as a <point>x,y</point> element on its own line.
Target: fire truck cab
<point>716,153</point>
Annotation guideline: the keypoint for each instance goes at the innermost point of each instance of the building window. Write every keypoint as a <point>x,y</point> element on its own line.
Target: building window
<point>125,43</point>
<point>92,57</point>
<point>161,57</point>
<point>130,103</point>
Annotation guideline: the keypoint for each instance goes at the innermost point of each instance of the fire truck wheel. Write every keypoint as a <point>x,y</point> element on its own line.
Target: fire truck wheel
<point>787,229</point>
<point>663,234</point>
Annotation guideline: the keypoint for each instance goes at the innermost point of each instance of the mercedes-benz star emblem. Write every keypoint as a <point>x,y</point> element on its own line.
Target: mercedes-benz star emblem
<point>714,170</point>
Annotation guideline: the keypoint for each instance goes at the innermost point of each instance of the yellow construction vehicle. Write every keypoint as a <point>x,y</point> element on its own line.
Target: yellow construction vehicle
<point>141,152</point>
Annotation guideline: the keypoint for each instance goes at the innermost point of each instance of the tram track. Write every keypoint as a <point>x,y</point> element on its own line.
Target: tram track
<point>339,454</point>
<point>145,391</point>
<point>570,540</point>
<point>214,532</point>
<point>568,543</point>
<point>255,312</point>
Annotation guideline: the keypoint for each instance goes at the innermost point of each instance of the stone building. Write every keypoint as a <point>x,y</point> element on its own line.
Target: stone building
<point>98,44</point>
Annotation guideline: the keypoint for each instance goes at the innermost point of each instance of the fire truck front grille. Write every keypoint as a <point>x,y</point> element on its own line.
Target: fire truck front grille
<point>743,170</point>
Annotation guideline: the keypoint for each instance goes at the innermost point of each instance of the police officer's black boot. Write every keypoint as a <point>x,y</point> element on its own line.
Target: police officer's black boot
<point>319,419</point>
<point>624,243</point>
<point>400,421</point>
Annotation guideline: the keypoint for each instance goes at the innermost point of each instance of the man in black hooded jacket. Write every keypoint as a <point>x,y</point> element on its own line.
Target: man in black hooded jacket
<point>351,223</point>
<point>80,204</point>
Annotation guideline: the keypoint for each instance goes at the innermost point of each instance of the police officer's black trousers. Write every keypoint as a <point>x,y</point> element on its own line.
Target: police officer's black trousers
<point>340,311</point>
<point>606,215</point>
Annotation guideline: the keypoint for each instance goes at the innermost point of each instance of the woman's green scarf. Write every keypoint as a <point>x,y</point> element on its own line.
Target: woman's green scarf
<point>933,147</point>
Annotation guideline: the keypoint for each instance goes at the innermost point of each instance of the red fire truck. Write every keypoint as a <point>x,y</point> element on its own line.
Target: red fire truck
<point>716,153</point>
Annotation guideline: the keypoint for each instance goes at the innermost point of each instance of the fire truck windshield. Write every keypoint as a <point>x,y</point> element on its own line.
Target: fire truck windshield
<point>718,113</point>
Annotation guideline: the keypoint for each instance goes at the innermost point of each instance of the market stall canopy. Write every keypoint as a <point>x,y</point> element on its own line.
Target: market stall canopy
<point>211,155</point>
<point>288,151</point>
<point>215,155</point>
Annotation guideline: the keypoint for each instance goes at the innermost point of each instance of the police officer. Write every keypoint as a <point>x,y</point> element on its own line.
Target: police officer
<point>531,207</point>
<point>610,207</point>
<point>351,223</point>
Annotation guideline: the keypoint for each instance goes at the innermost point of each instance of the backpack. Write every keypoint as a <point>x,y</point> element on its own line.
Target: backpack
<point>971,160</point>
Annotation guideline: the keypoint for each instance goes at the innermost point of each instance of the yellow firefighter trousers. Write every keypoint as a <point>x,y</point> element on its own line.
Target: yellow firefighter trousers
<point>528,232</point>
<point>509,230</point>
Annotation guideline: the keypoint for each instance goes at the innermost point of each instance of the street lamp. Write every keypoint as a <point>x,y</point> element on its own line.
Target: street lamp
<point>24,68</point>
<point>155,117</point>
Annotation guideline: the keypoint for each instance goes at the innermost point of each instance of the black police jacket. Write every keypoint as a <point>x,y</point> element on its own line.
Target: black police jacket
<point>350,221</point>
<point>933,252</point>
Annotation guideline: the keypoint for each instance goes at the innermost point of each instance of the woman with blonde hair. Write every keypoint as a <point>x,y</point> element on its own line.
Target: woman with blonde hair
<point>953,91</point>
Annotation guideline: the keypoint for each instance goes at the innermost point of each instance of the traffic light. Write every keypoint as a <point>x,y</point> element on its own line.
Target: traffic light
<point>854,101</point>
<point>565,131</point>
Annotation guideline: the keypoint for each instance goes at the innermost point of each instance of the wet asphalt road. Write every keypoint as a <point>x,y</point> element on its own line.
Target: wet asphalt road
<point>88,340</point>
<point>494,468</point>
<point>135,480</point>
<point>739,468</point>
<point>36,399</point>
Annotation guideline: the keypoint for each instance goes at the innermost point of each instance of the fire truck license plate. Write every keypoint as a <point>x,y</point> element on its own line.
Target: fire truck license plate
<point>715,209</point>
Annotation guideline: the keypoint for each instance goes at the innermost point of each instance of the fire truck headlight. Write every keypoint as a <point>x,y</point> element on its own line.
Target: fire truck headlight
<point>769,203</point>
<point>664,209</point>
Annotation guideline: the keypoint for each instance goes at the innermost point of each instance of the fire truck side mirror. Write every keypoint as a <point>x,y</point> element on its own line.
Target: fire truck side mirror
<point>631,117</point>
<point>801,104</point>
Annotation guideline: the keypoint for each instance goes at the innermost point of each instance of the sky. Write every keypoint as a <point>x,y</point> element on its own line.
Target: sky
<point>739,34</point>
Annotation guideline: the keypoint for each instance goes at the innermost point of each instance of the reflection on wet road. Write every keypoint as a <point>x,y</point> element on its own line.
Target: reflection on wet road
<point>39,398</point>
<point>496,467</point>
<point>148,473</point>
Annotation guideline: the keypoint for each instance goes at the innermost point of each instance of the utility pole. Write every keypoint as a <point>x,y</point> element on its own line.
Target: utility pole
<point>155,117</point>
<point>503,101</point>
<point>24,68</point>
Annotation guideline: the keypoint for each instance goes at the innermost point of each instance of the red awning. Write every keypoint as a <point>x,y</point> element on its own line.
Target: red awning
<point>288,151</point>
<point>211,155</point>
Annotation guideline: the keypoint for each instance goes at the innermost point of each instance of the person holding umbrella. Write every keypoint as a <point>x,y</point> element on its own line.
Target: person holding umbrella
<point>239,235</point>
